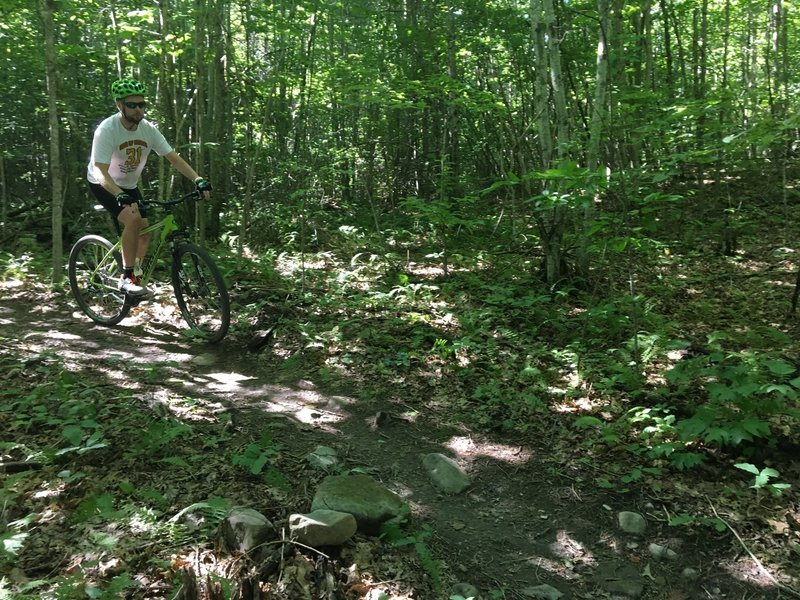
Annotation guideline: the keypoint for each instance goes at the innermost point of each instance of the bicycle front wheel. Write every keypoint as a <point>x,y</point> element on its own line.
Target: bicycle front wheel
<point>200,291</point>
<point>94,272</point>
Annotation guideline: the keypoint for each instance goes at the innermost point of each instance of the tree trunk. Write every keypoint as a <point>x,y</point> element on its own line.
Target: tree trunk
<point>777,30</point>
<point>598,117</point>
<point>542,89</point>
<point>3,194</point>
<point>670,16</point>
<point>220,114</point>
<point>200,46</point>
<point>165,94</point>
<point>56,167</point>
<point>551,221</point>
<point>306,80</point>
<point>117,42</point>
<point>669,77</point>
<point>247,203</point>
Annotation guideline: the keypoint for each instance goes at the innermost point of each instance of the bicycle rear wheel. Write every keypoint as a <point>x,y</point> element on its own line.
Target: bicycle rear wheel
<point>94,273</point>
<point>200,291</point>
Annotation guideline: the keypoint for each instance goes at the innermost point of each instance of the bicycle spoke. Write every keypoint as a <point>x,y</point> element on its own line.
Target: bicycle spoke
<point>93,276</point>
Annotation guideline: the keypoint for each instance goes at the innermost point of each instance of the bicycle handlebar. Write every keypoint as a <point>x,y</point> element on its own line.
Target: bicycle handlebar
<point>193,195</point>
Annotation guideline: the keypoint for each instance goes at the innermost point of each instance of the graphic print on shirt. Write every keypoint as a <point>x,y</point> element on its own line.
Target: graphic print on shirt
<point>133,150</point>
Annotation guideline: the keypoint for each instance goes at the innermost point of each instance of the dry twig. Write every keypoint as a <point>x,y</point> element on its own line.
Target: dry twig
<point>792,592</point>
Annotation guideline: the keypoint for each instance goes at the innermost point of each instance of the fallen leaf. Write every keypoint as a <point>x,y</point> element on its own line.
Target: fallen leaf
<point>778,527</point>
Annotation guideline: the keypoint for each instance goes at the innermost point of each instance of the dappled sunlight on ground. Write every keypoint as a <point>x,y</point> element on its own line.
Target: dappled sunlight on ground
<point>528,518</point>
<point>10,284</point>
<point>468,448</point>
<point>290,266</point>
<point>59,335</point>
<point>425,271</point>
<point>228,381</point>
<point>568,548</point>
<point>745,570</point>
<point>577,405</point>
<point>307,407</point>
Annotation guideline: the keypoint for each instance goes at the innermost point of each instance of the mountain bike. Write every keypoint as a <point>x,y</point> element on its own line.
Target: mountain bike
<point>95,267</point>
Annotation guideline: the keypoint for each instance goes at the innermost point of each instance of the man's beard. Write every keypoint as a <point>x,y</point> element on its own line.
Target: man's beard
<point>133,118</point>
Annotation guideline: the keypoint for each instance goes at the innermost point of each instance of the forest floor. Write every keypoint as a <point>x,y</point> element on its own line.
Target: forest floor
<point>173,412</point>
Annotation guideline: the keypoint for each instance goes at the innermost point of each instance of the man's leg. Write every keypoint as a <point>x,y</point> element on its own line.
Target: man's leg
<point>144,241</point>
<point>133,247</point>
<point>132,221</point>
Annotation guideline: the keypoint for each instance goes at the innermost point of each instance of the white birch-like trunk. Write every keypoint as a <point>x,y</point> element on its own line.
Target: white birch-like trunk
<point>550,83</point>
<point>597,118</point>
<point>56,168</point>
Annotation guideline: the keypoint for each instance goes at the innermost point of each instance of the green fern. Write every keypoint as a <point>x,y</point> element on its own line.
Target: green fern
<point>429,564</point>
<point>214,510</point>
<point>393,531</point>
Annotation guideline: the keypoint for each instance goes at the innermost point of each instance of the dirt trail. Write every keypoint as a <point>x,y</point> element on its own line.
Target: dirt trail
<point>526,520</point>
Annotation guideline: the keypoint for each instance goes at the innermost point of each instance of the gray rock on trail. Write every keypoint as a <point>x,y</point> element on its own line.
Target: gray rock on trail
<point>361,496</point>
<point>465,590</point>
<point>620,578</point>
<point>547,592</point>
<point>322,528</point>
<point>690,574</point>
<point>204,360</point>
<point>662,552</point>
<point>244,529</point>
<point>631,522</point>
<point>323,457</point>
<point>445,473</point>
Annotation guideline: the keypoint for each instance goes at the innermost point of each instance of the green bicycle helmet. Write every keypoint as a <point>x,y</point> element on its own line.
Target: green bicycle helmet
<point>122,88</point>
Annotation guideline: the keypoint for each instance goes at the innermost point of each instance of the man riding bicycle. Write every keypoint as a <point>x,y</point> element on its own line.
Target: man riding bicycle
<point>120,148</point>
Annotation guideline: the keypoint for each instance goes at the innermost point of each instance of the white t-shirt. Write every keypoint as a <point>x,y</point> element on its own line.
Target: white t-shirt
<point>125,151</point>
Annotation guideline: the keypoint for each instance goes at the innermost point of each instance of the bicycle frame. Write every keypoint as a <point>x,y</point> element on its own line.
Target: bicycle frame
<point>167,228</point>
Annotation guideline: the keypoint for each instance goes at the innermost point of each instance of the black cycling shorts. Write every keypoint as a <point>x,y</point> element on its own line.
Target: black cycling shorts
<point>109,201</point>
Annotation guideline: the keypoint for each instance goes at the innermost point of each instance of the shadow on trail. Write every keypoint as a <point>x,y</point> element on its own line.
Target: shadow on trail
<point>527,520</point>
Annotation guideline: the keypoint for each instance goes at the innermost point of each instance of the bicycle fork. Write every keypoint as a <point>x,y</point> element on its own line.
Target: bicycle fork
<point>190,276</point>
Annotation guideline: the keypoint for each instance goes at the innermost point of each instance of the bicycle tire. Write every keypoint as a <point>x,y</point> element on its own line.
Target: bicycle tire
<point>95,291</point>
<point>201,292</point>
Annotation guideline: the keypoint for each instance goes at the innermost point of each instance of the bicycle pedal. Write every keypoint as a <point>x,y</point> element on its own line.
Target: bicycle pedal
<point>137,300</point>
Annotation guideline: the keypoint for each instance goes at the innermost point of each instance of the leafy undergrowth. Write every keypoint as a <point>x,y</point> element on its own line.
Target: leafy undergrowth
<point>676,387</point>
<point>679,382</point>
<point>112,489</point>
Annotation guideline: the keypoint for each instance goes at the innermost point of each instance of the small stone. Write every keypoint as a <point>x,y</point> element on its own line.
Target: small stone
<point>445,473</point>
<point>662,552</point>
<point>631,522</point>
<point>547,592</point>
<point>465,590</point>
<point>322,528</point>
<point>244,529</point>
<point>204,360</point>
<point>620,578</point>
<point>689,574</point>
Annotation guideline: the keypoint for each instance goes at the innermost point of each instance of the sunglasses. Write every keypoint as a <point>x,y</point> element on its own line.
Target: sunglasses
<point>133,105</point>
